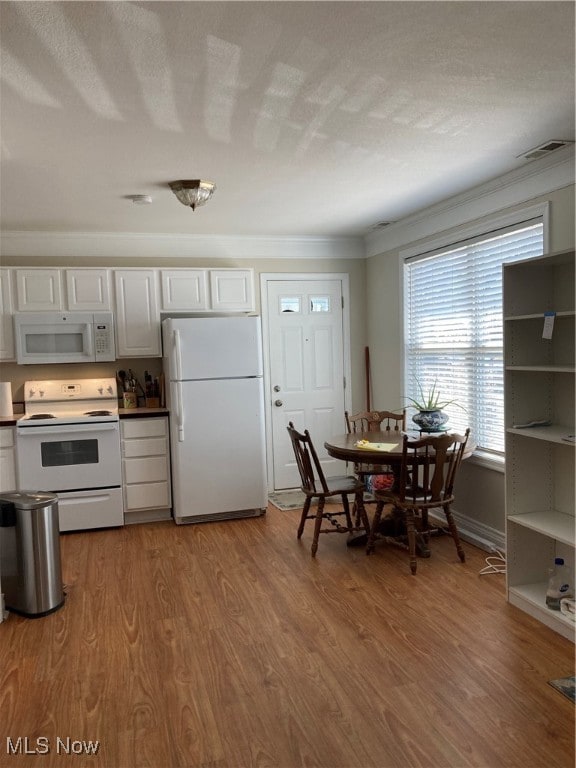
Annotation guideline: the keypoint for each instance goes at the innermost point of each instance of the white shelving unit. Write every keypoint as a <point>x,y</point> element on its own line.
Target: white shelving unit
<point>539,385</point>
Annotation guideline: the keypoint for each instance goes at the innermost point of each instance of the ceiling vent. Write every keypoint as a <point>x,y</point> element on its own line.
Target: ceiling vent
<point>544,149</point>
<point>380,225</point>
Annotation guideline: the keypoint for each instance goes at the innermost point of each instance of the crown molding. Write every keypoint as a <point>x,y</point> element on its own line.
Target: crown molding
<point>17,245</point>
<point>539,177</point>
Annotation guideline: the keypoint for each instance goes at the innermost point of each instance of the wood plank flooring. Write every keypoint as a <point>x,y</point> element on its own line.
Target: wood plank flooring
<point>225,645</point>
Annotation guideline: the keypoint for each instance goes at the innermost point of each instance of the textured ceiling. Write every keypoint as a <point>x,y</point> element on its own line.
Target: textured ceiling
<point>312,118</point>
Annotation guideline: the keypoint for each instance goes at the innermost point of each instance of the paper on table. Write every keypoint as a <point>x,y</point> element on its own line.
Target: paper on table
<point>366,445</point>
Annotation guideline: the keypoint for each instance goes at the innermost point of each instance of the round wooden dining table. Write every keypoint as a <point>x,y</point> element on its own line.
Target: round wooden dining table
<point>389,451</point>
<point>385,448</point>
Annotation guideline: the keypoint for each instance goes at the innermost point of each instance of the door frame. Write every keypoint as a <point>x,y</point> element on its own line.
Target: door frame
<point>265,278</point>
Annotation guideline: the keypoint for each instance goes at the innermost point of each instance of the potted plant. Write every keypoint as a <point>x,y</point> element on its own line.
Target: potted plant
<point>430,416</point>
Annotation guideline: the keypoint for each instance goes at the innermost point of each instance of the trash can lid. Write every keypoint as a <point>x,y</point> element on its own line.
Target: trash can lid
<point>29,499</point>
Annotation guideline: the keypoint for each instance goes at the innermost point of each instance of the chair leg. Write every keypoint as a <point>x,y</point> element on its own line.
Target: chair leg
<point>454,532</point>
<point>305,511</point>
<point>317,525</point>
<point>346,505</point>
<point>362,516</point>
<point>374,528</point>
<point>411,532</point>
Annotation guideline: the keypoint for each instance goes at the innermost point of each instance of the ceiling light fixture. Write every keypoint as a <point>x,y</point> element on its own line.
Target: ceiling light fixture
<point>140,199</point>
<point>193,193</point>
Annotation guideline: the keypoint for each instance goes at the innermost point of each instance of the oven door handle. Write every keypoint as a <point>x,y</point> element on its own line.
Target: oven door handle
<point>106,426</point>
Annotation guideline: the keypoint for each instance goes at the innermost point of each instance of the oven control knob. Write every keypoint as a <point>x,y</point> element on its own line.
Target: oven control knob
<point>101,390</point>
<point>31,393</point>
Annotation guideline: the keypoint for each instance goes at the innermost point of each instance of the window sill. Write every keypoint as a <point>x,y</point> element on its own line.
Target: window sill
<point>488,461</point>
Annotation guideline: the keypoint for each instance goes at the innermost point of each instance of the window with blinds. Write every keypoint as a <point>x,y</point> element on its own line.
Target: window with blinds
<point>453,327</point>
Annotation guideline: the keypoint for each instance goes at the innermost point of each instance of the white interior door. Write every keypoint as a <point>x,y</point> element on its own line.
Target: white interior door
<point>306,355</point>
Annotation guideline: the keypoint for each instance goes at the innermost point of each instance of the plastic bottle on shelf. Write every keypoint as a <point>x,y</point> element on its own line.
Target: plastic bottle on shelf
<point>559,584</point>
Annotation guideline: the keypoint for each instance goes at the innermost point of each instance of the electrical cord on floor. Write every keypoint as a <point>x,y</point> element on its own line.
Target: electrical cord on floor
<point>495,563</point>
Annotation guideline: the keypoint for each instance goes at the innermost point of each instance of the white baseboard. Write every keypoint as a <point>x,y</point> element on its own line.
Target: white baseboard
<point>147,516</point>
<point>477,533</point>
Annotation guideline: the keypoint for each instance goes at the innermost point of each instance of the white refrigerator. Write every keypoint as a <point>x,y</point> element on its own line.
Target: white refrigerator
<point>215,394</point>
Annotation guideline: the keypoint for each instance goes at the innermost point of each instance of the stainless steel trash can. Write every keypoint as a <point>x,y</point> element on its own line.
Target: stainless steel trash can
<point>30,565</point>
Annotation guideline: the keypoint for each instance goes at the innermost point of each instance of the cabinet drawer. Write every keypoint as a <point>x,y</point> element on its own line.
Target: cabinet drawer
<point>6,437</point>
<point>146,446</point>
<point>145,470</point>
<point>144,428</point>
<point>147,496</point>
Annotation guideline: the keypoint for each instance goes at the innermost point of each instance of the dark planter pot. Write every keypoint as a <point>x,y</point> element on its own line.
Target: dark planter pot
<point>430,421</point>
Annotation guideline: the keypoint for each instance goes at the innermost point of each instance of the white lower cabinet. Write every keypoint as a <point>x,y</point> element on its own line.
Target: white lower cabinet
<point>7,460</point>
<point>146,469</point>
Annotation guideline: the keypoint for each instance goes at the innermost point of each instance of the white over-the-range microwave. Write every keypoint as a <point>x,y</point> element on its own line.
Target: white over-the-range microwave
<point>64,337</point>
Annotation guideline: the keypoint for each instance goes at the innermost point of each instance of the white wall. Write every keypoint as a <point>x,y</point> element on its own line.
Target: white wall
<point>480,490</point>
<point>353,265</point>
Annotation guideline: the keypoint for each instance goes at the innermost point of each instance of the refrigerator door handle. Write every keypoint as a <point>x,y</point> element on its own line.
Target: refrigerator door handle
<point>178,350</point>
<point>179,412</point>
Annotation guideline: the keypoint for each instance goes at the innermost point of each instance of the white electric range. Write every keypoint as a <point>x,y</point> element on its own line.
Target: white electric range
<point>68,443</point>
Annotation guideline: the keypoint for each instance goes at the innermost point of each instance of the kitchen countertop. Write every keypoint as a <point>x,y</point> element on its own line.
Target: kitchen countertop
<point>7,421</point>
<point>123,413</point>
<point>141,413</point>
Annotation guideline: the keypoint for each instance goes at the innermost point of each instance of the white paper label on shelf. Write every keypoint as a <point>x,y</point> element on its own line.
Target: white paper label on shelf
<point>548,325</point>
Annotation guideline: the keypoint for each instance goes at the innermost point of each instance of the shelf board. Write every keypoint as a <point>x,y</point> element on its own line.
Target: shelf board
<point>543,368</point>
<point>555,525</point>
<point>539,316</point>
<point>552,434</point>
<point>531,598</point>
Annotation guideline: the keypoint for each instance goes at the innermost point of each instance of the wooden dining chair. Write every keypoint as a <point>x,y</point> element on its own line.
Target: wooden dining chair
<point>375,475</point>
<point>316,486</point>
<point>376,421</point>
<point>427,475</point>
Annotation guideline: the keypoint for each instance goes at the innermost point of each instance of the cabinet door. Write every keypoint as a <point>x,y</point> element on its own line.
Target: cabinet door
<point>137,313</point>
<point>184,289</point>
<point>7,460</point>
<point>38,290</point>
<point>232,289</point>
<point>88,289</point>
<point>6,308</point>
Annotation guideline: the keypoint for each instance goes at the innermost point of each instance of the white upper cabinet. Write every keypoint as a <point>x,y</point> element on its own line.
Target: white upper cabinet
<point>137,313</point>
<point>232,290</point>
<point>44,290</point>
<point>88,289</point>
<point>184,290</point>
<point>217,290</point>
<point>38,290</point>
<point>6,309</point>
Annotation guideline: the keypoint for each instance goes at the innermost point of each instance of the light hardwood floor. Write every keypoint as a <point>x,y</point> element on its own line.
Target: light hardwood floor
<point>225,645</point>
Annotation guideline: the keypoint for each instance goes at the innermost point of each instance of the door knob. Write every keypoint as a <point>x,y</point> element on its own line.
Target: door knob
<point>277,388</point>
<point>278,403</point>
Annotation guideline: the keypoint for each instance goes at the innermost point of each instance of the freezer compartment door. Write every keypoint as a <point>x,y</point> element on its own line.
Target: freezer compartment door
<point>212,347</point>
<point>219,465</point>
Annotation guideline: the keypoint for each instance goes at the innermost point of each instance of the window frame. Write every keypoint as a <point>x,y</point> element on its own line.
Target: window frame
<point>455,238</point>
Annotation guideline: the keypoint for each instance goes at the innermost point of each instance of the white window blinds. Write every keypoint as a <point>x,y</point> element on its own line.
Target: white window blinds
<point>453,327</point>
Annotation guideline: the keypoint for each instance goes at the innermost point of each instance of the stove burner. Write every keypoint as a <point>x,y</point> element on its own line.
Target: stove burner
<point>42,416</point>
<point>98,413</point>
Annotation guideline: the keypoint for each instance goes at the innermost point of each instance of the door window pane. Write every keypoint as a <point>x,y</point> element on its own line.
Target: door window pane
<point>320,304</point>
<point>290,304</point>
